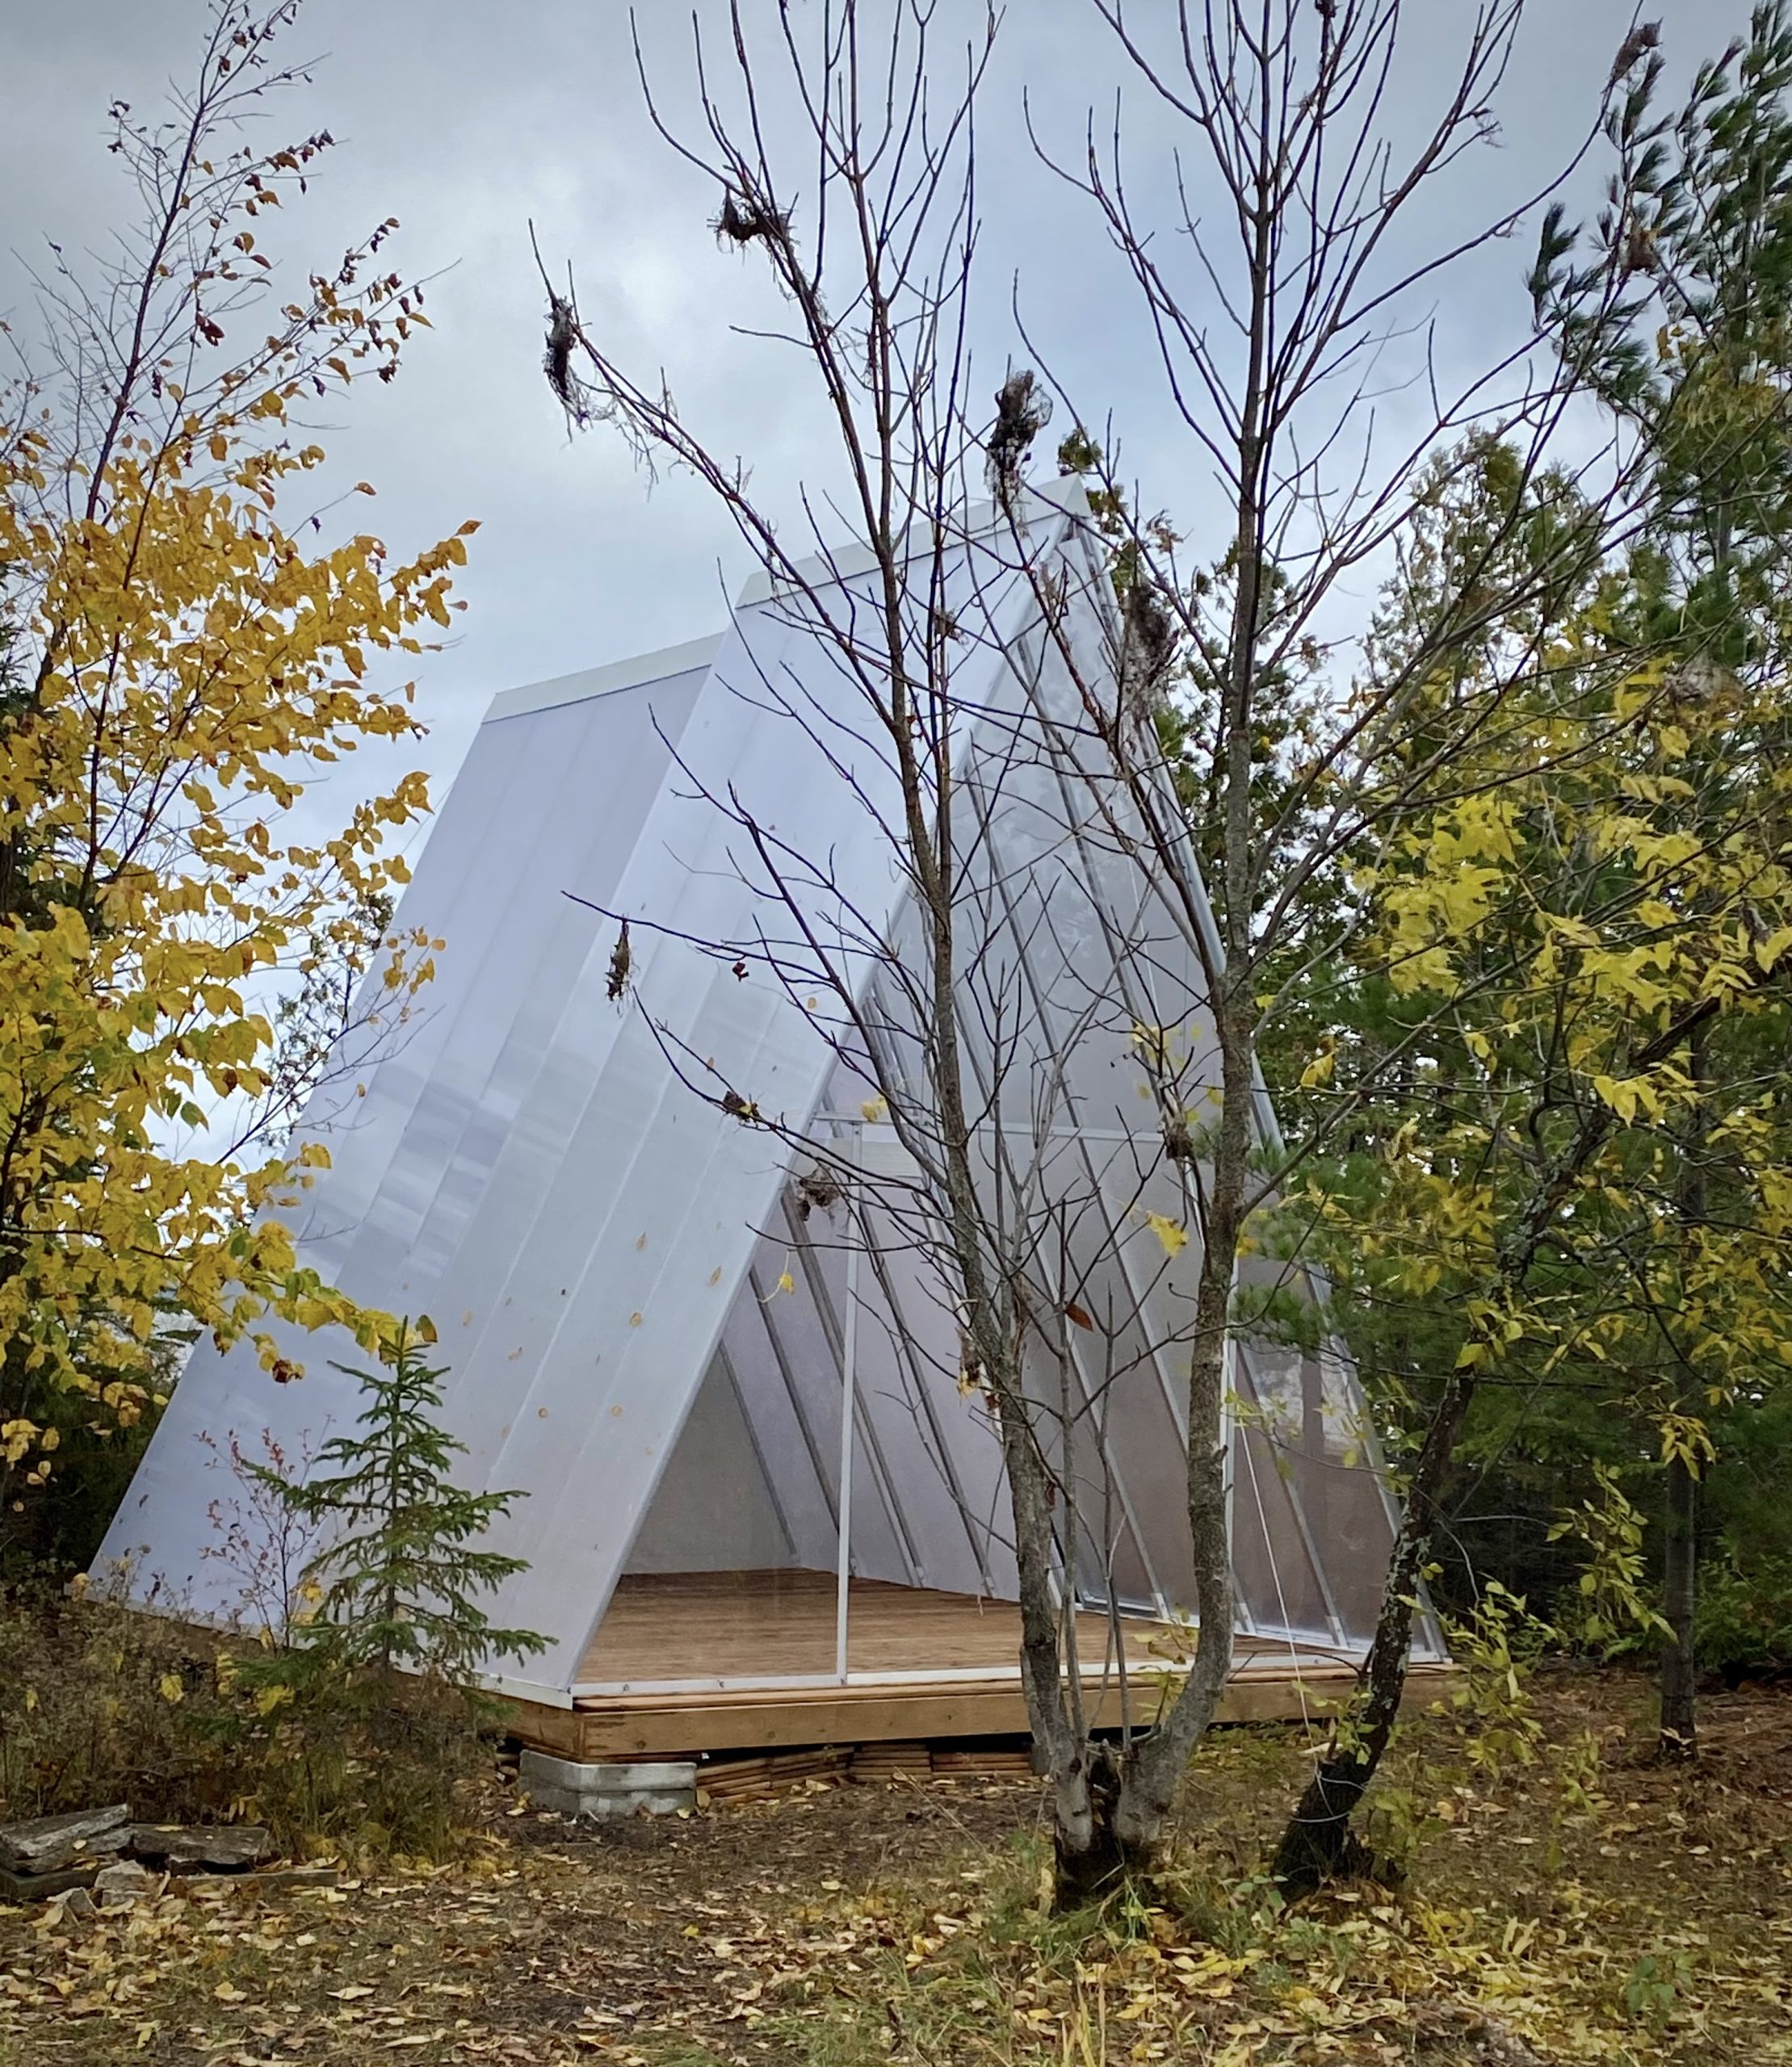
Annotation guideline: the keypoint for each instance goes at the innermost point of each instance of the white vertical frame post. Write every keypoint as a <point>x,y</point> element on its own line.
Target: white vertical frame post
<point>1228,1437</point>
<point>849,1402</point>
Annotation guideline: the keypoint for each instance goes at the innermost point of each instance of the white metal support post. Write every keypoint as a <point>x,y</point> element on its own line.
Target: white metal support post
<point>849,1401</point>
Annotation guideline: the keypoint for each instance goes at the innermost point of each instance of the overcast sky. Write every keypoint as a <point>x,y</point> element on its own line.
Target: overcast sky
<point>465,119</point>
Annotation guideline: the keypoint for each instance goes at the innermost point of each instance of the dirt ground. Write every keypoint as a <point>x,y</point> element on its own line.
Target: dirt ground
<point>1580,1904</point>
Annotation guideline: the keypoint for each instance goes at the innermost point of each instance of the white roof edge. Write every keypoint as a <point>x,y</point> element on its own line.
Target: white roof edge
<point>1066,493</point>
<point>606,680</point>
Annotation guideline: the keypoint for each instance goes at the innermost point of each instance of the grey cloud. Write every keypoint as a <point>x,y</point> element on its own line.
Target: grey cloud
<point>466,120</point>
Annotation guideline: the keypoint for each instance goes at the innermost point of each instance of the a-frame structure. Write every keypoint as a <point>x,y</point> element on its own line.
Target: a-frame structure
<point>756,1478</point>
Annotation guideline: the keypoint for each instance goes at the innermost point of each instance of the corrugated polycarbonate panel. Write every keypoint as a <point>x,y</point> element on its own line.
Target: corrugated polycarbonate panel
<point>945,1464</point>
<point>541,803</point>
<point>621,1269</point>
<point>645,1332</point>
<point>573,801</point>
<point>1270,1382</point>
<point>717,1508</point>
<point>794,1416</point>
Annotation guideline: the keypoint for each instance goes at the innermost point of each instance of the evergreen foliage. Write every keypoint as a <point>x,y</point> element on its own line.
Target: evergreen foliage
<point>1647,1340</point>
<point>399,1583</point>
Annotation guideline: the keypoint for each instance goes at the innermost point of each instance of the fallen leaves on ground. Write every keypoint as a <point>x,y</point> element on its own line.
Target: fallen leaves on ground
<point>1645,1923</point>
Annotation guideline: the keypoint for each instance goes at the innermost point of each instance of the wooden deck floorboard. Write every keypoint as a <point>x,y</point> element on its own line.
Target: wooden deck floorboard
<point>729,1625</point>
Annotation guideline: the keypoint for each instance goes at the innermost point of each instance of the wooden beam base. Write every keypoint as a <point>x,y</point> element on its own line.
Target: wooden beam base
<point>678,1725</point>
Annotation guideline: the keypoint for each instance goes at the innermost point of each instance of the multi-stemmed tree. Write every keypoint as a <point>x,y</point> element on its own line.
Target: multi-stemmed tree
<point>859,200</point>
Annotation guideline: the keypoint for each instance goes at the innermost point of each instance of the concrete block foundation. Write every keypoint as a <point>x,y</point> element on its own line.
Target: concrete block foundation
<point>607,1790</point>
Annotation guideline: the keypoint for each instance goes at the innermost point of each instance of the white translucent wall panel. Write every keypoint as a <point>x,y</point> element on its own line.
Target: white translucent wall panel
<point>546,800</point>
<point>1281,1582</point>
<point>716,1508</point>
<point>927,1454</point>
<point>1344,1498</point>
<point>791,1406</point>
<point>811,1320</point>
<point>1132,1423</point>
<point>1312,1521</point>
<point>942,1459</point>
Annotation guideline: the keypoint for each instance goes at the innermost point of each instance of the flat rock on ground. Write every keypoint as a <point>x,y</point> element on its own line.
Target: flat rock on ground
<point>44,1887</point>
<point>123,1882</point>
<point>52,1844</point>
<point>215,1847</point>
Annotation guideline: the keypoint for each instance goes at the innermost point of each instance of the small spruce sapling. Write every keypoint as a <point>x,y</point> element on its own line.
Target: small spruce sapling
<point>397,1588</point>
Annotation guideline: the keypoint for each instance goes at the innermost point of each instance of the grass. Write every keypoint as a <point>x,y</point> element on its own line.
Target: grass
<point>99,1703</point>
<point>1583,1907</point>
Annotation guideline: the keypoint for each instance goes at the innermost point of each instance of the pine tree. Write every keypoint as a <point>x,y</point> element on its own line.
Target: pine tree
<point>398,1587</point>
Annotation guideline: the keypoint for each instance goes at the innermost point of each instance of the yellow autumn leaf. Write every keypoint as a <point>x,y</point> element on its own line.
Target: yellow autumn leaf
<point>169,1687</point>
<point>1620,1097</point>
<point>1171,1233</point>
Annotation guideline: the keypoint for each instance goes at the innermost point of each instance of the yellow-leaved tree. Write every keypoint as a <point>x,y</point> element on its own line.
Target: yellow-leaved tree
<point>184,645</point>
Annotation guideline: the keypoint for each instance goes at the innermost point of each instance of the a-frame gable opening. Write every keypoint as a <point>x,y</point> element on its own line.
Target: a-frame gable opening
<point>731,1579</point>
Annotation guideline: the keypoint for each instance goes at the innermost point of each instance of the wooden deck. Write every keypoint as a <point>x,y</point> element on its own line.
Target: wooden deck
<point>923,1666</point>
<point>761,1626</point>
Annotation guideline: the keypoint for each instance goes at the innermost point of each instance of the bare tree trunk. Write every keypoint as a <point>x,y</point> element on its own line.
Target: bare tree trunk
<point>1149,1782</point>
<point>1318,1844</point>
<point>1678,1734</point>
<point>1160,1764</point>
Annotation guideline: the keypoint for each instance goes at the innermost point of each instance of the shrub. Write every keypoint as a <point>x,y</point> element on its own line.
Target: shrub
<point>1745,1616</point>
<point>100,1703</point>
<point>347,1712</point>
